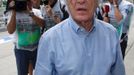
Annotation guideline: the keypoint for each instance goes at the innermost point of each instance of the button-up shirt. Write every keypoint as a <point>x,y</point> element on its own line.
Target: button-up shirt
<point>68,49</point>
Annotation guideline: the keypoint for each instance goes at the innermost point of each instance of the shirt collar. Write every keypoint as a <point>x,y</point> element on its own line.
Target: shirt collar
<point>73,24</point>
<point>78,28</point>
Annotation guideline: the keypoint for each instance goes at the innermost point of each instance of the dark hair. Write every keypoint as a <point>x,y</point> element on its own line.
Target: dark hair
<point>21,5</point>
<point>45,2</point>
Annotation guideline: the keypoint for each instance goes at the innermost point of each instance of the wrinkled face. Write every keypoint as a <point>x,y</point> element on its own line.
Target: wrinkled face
<point>82,10</point>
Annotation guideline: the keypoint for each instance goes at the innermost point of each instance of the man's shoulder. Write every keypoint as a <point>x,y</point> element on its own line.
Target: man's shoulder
<point>104,26</point>
<point>60,25</point>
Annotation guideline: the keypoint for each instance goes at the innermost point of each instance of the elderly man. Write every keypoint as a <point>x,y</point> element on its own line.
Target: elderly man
<point>80,45</point>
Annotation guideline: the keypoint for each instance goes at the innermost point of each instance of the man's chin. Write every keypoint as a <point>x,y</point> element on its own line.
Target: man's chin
<point>82,19</point>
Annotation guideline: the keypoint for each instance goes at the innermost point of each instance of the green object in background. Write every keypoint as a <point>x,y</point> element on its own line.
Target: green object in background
<point>26,38</point>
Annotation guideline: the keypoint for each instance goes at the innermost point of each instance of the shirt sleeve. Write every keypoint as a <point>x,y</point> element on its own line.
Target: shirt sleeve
<point>118,67</point>
<point>38,13</point>
<point>124,11</point>
<point>44,64</point>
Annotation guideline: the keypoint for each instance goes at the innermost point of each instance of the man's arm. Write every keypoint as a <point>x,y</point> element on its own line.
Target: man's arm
<point>36,17</point>
<point>45,57</point>
<point>11,24</point>
<point>118,66</point>
<point>38,20</point>
<point>117,12</point>
<point>51,14</point>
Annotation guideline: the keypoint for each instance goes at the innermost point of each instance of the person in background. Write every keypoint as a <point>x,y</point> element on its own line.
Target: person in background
<point>79,45</point>
<point>118,15</point>
<point>36,5</point>
<point>24,23</point>
<point>114,15</point>
<point>53,11</point>
<point>124,38</point>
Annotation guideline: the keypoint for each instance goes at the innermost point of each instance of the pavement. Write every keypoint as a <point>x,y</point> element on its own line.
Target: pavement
<point>8,62</point>
<point>7,58</point>
<point>129,59</point>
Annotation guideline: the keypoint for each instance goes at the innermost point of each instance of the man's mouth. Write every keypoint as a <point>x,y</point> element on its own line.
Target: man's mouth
<point>81,9</point>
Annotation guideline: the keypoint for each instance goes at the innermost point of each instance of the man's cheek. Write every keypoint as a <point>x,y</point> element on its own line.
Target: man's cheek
<point>72,1</point>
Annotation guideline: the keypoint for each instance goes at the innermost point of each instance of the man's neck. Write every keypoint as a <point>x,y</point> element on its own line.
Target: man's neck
<point>86,25</point>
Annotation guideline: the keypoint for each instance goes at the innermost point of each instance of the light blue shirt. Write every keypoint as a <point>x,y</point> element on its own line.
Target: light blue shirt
<point>68,49</point>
